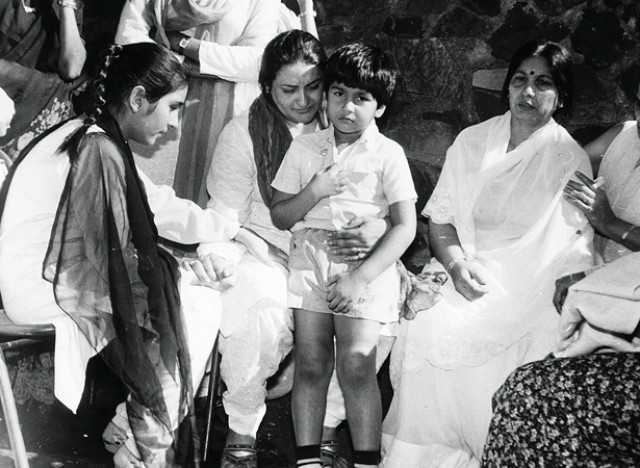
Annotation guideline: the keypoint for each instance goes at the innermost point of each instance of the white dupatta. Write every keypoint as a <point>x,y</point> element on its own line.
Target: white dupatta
<point>508,210</point>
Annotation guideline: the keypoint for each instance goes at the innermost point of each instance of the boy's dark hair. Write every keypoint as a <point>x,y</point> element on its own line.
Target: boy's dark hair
<point>559,61</point>
<point>366,67</point>
<point>285,49</point>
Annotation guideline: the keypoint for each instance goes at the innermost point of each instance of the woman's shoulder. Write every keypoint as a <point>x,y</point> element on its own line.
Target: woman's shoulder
<point>100,145</point>
<point>479,130</point>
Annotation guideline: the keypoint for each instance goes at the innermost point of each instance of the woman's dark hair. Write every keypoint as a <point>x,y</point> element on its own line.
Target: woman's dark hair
<point>559,61</point>
<point>125,67</point>
<point>285,49</point>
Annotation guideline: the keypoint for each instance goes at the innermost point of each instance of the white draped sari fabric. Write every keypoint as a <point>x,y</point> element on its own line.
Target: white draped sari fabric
<point>508,211</point>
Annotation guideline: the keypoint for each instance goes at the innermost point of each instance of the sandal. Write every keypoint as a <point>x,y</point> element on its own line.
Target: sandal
<point>239,456</point>
<point>329,455</point>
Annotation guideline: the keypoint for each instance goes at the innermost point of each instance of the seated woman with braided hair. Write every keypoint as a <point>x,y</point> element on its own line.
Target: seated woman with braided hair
<point>79,232</point>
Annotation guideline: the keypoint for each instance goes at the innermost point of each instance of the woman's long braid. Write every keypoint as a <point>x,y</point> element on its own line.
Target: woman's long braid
<point>98,102</point>
<point>113,52</point>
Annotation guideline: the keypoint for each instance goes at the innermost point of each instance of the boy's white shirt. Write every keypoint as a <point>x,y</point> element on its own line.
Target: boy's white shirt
<point>376,168</point>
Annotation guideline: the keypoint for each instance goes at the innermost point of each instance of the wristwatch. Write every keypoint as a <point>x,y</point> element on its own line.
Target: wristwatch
<point>184,42</point>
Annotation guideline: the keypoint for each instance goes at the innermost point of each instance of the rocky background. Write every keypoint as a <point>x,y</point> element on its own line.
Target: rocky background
<point>454,53</point>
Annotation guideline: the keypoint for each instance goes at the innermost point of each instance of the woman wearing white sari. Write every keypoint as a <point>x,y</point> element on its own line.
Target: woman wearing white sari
<point>593,395</point>
<point>502,230</point>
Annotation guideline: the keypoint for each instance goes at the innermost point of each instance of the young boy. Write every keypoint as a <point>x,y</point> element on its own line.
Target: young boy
<point>326,179</point>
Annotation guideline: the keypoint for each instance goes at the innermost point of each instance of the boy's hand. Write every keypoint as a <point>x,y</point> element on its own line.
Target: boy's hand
<point>329,181</point>
<point>345,291</point>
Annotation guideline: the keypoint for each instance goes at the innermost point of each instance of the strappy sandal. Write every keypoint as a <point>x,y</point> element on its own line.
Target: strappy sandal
<point>239,456</point>
<point>329,455</point>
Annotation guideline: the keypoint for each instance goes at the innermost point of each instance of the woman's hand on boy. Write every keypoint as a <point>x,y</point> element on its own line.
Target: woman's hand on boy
<point>357,238</point>
<point>345,291</point>
<point>328,181</point>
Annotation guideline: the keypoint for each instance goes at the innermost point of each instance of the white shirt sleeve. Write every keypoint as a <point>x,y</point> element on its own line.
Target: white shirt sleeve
<point>232,174</point>
<point>396,179</point>
<point>135,23</point>
<point>183,221</point>
<point>240,61</point>
<point>288,179</point>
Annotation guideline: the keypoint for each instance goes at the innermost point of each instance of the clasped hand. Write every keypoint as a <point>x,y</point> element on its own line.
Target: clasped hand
<point>578,337</point>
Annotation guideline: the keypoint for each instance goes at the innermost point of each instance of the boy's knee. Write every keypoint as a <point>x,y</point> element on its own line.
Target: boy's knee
<point>313,369</point>
<point>355,368</point>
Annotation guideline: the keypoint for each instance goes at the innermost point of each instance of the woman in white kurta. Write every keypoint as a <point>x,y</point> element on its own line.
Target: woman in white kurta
<point>72,233</point>
<point>501,228</point>
<point>257,326</point>
<point>222,41</point>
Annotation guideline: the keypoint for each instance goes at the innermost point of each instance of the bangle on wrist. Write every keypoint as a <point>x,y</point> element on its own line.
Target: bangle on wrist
<point>453,261</point>
<point>627,232</point>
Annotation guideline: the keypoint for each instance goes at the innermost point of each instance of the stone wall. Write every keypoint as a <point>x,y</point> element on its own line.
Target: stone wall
<point>453,55</point>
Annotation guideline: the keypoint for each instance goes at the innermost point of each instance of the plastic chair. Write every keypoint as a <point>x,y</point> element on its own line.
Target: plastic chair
<point>13,336</point>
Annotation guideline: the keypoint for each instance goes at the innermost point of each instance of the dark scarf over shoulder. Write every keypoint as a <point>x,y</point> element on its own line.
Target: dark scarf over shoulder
<point>271,139</point>
<point>110,276</point>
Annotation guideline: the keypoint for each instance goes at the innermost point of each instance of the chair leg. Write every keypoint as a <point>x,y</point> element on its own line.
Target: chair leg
<point>11,416</point>
<point>214,384</point>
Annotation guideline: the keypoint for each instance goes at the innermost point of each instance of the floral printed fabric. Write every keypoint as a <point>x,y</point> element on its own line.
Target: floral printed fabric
<point>579,412</point>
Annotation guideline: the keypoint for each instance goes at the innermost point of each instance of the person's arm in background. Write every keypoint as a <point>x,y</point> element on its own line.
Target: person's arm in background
<point>308,17</point>
<point>240,61</point>
<point>73,54</point>
<point>135,22</point>
<point>596,148</point>
<point>590,197</point>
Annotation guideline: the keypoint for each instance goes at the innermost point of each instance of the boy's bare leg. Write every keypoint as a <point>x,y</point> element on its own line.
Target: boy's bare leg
<point>356,341</point>
<point>314,364</point>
